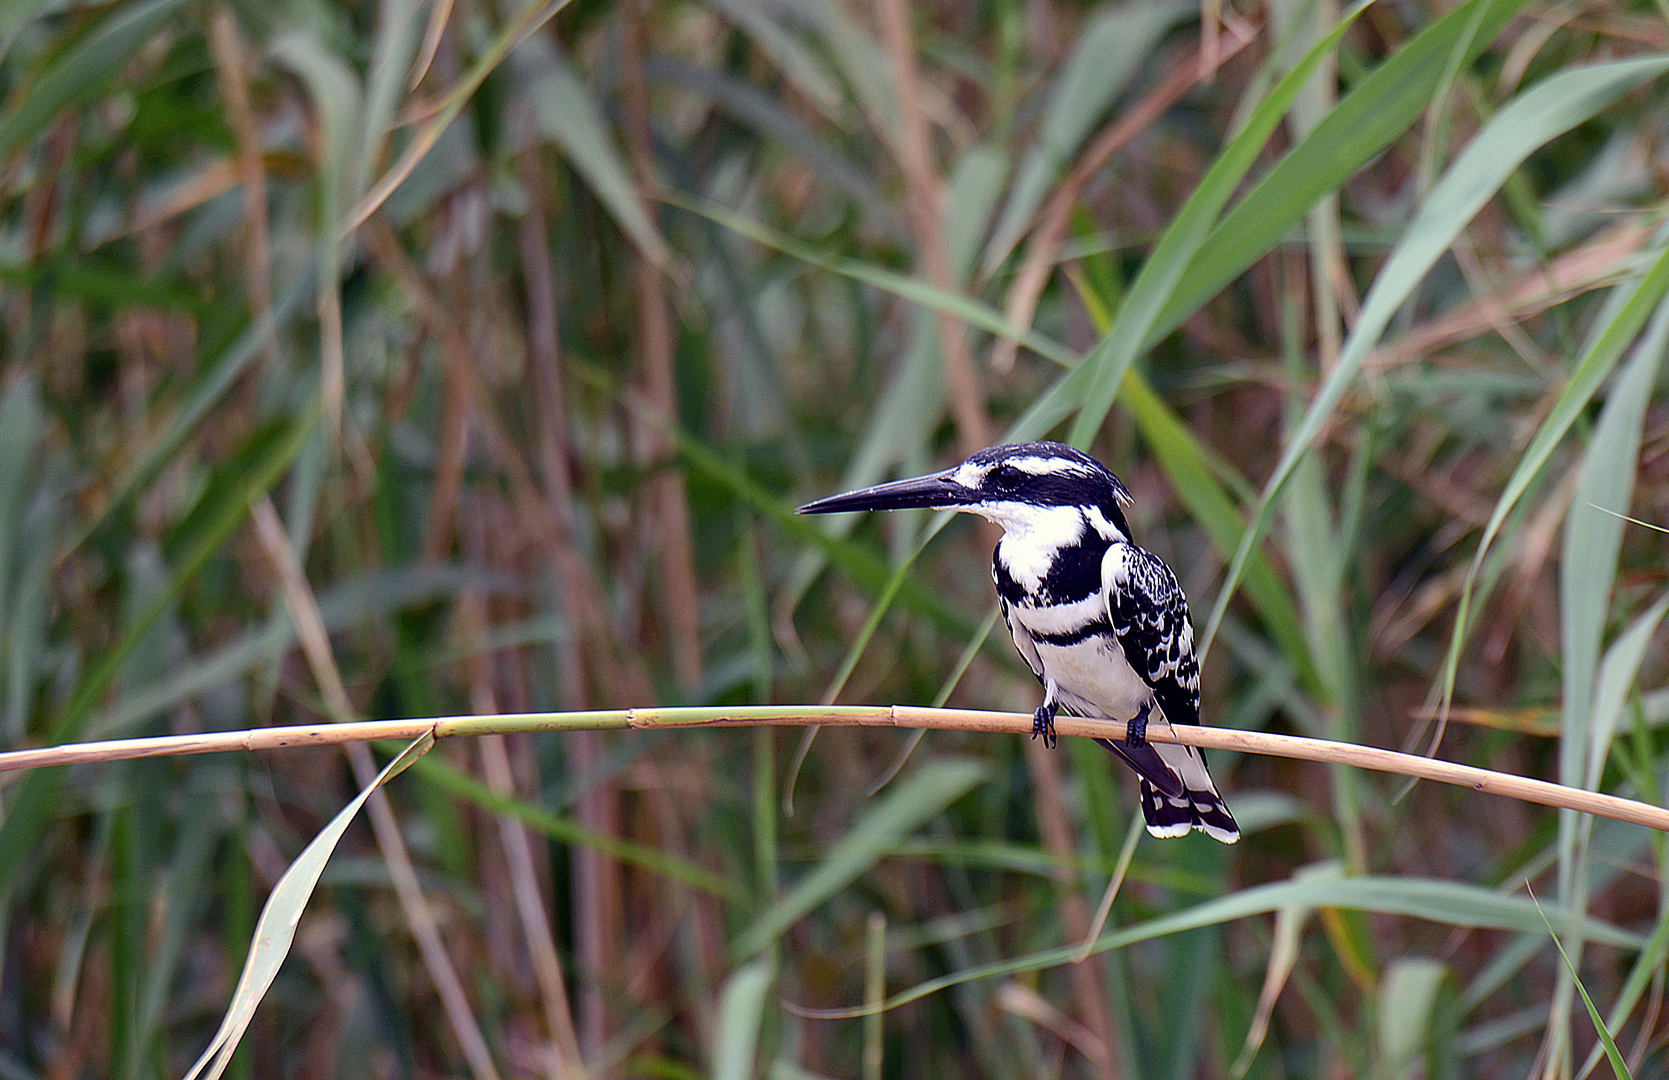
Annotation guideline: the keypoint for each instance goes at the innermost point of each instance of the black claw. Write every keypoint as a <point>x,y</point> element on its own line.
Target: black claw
<point>1135,732</point>
<point>1043,723</point>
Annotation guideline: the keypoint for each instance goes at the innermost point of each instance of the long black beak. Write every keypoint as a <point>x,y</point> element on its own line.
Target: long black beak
<point>937,490</point>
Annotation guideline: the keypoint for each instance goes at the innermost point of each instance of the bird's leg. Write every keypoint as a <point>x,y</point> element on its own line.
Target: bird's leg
<point>1135,732</point>
<point>1043,722</point>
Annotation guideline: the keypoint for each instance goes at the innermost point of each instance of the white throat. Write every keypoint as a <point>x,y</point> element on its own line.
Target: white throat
<point>1031,536</point>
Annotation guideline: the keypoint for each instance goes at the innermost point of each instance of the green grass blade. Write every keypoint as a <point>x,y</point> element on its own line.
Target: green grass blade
<point>22,422</point>
<point>1446,902</point>
<point>569,116</point>
<point>82,70</point>
<point>398,32</point>
<point>1592,543</point>
<point>1619,1067</point>
<point>778,120</point>
<point>1376,110</point>
<point>1591,370</point>
<point>1645,971</point>
<point>24,580</point>
<point>339,102</point>
<point>1537,116</point>
<point>1110,49</point>
<point>741,1020</point>
<point>188,889</point>
<point>276,928</point>
<point>1112,356</point>
<point>1617,675</point>
<point>971,311</point>
<point>904,808</point>
<point>1407,1007</point>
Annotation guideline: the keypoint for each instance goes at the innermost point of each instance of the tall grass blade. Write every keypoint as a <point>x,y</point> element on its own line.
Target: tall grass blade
<point>1110,47</point>
<point>1537,116</point>
<point>1616,683</point>
<point>1593,542</point>
<point>1647,969</point>
<point>973,312</point>
<point>25,553</point>
<point>398,34</point>
<point>569,116</point>
<point>1407,1008</point>
<point>1106,364</point>
<point>339,101</point>
<point>1619,1067</point>
<point>1446,902</point>
<point>1376,110</point>
<point>276,928</point>
<point>1590,372</point>
<point>741,1020</point>
<point>904,808</point>
<point>83,68</point>
<point>1285,944</point>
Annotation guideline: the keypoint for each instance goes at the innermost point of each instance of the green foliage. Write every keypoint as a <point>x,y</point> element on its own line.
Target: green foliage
<point>534,323</point>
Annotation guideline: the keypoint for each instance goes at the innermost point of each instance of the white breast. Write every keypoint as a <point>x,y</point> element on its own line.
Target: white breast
<point>1092,677</point>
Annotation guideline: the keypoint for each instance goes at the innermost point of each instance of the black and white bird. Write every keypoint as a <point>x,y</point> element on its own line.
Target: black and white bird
<point>1102,623</point>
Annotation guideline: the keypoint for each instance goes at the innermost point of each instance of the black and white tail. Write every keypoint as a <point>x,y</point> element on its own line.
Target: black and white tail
<point>1177,792</point>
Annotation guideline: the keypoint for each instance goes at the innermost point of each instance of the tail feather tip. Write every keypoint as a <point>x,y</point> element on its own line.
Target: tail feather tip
<point>1169,817</point>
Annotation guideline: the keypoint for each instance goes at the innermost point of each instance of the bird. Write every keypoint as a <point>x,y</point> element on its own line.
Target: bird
<point>1101,622</point>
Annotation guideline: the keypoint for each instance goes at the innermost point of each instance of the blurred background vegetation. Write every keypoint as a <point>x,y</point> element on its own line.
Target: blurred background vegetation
<point>412,359</point>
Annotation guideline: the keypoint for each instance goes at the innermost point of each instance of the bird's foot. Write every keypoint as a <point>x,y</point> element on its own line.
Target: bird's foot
<point>1043,723</point>
<point>1135,732</point>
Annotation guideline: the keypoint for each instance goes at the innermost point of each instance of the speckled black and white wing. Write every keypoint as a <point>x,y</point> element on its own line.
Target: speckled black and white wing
<point>1149,616</point>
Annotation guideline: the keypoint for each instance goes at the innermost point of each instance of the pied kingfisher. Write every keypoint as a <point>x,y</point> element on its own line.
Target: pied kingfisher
<point>1102,623</point>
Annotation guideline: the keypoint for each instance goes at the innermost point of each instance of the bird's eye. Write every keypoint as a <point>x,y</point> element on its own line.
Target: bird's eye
<point>1007,477</point>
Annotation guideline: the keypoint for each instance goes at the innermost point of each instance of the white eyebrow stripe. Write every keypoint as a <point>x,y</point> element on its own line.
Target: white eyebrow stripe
<point>1041,466</point>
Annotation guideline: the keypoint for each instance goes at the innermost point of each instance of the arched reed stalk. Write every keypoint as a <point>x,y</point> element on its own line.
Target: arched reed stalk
<point>1247,742</point>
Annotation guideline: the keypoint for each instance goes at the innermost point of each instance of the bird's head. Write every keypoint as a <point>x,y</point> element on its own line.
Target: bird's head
<point>1017,485</point>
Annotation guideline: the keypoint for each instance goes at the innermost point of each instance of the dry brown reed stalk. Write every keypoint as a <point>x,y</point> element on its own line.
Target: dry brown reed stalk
<point>525,870</point>
<point>1298,747</point>
<point>232,59</point>
<point>582,604</point>
<point>419,914</point>
<point>1089,980</point>
<point>668,541</point>
<point>1039,259</point>
<point>1590,266</point>
<point>926,199</point>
